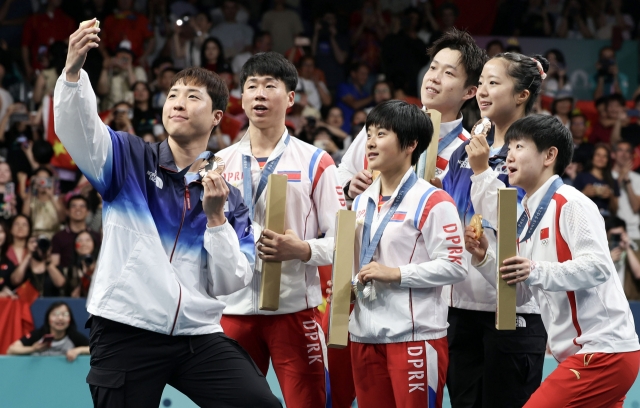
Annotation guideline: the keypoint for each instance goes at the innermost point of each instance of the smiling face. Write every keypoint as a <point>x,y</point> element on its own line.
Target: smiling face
<point>265,101</point>
<point>84,244</point>
<point>78,210</point>
<point>496,96</point>
<point>383,150</point>
<point>443,85</point>
<point>600,158</point>
<point>188,112</point>
<point>60,318</point>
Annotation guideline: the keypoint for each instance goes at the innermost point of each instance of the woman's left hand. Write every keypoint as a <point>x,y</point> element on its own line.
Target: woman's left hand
<point>73,354</point>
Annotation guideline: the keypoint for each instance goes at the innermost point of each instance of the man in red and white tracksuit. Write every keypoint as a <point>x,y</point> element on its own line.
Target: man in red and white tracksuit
<point>290,336</point>
<point>564,263</point>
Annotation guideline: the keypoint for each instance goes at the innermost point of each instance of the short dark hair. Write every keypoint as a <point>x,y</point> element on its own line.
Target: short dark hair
<point>216,88</point>
<point>494,42</point>
<point>472,57</point>
<point>525,74</point>
<point>614,222</point>
<point>578,114</point>
<point>77,197</point>
<point>46,327</point>
<point>545,131</point>
<point>407,121</point>
<point>616,97</point>
<point>272,64</point>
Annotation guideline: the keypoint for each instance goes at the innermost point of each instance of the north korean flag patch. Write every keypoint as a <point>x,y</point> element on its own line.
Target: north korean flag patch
<point>398,216</point>
<point>544,233</point>
<point>292,176</point>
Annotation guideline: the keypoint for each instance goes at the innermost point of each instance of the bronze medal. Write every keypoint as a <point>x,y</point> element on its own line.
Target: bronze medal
<point>215,163</point>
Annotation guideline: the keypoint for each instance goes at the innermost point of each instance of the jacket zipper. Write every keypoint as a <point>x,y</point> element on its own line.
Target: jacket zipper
<point>186,203</point>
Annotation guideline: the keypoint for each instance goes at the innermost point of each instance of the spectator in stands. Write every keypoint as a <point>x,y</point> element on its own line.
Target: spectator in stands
<point>310,80</point>
<point>46,80</point>
<point>19,233</point>
<point>283,25</point>
<point>626,125</point>
<point>562,106</point>
<point>382,91</point>
<point>352,95</point>
<point>63,242</point>
<point>6,266</point>
<point>57,337</point>
<point>212,55</point>
<point>330,49</point>
<point>556,79</point>
<point>117,76</point>
<point>201,26</point>
<point>367,37</point>
<point>582,151</point>
<point>40,31</point>
<point>613,114</point>
<point>127,29</point>
<point>159,65</point>
<point>6,99</point>
<point>325,140</point>
<point>495,47</point>
<point>42,204</point>
<point>235,37</point>
<point>612,24</point>
<point>18,139</point>
<point>332,120</point>
<point>84,264</point>
<point>144,119</point>
<point>608,80</point>
<point>120,118</point>
<point>164,81</point>
<point>629,185</point>
<point>261,43</point>
<point>447,15</point>
<point>575,22</point>
<point>40,269</point>
<point>8,198</point>
<point>597,183</point>
<point>624,255</point>
<point>536,21</point>
<point>403,53</point>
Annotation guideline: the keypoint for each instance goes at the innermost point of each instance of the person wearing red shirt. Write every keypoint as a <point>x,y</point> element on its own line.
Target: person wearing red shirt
<point>42,30</point>
<point>127,25</point>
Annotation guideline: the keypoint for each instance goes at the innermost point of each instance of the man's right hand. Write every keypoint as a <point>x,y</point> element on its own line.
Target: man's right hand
<point>359,183</point>
<point>80,42</point>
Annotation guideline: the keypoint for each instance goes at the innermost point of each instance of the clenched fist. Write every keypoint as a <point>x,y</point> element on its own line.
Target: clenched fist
<point>216,192</point>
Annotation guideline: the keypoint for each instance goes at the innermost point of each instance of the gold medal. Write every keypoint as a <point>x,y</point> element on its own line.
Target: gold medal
<point>482,127</point>
<point>213,164</point>
<point>476,224</point>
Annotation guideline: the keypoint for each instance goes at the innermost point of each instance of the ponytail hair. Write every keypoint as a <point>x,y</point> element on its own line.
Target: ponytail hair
<point>526,74</point>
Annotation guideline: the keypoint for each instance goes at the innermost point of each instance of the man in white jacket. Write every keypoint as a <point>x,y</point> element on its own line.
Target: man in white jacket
<point>564,263</point>
<point>174,242</point>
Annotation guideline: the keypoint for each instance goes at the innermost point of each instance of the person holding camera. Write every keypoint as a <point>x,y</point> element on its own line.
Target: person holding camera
<point>120,117</point>
<point>597,183</point>
<point>624,256</point>
<point>43,205</point>
<point>39,268</point>
<point>57,337</point>
<point>608,79</point>
<point>117,76</point>
<point>84,264</point>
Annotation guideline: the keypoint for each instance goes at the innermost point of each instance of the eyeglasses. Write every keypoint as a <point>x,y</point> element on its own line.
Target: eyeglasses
<point>60,314</point>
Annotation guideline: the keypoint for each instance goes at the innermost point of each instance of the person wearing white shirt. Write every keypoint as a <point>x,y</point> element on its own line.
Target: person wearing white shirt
<point>563,263</point>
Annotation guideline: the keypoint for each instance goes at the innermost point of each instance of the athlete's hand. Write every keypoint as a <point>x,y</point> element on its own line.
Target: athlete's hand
<point>329,292</point>
<point>274,247</point>
<point>516,269</point>
<point>80,42</point>
<point>478,152</point>
<point>215,195</point>
<point>379,272</point>
<point>359,183</point>
<point>476,247</point>
<point>436,182</point>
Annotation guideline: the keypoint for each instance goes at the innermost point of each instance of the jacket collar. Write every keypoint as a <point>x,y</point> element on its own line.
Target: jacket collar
<point>531,203</point>
<point>373,191</point>
<point>244,145</point>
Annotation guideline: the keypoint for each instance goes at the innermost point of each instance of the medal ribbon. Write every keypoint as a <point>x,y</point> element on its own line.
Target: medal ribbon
<point>247,180</point>
<point>442,144</point>
<point>369,245</point>
<point>542,208</point>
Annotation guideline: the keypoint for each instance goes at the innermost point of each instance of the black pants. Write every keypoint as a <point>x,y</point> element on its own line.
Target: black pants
<point>491,368</point>
<point>130,368</point>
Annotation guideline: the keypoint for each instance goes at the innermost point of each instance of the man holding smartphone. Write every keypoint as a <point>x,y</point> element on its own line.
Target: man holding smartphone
<point>175,238</point>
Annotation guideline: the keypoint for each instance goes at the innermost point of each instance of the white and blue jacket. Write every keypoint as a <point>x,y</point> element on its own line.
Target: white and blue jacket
<point>161,268</point>
<point>475,293</point>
